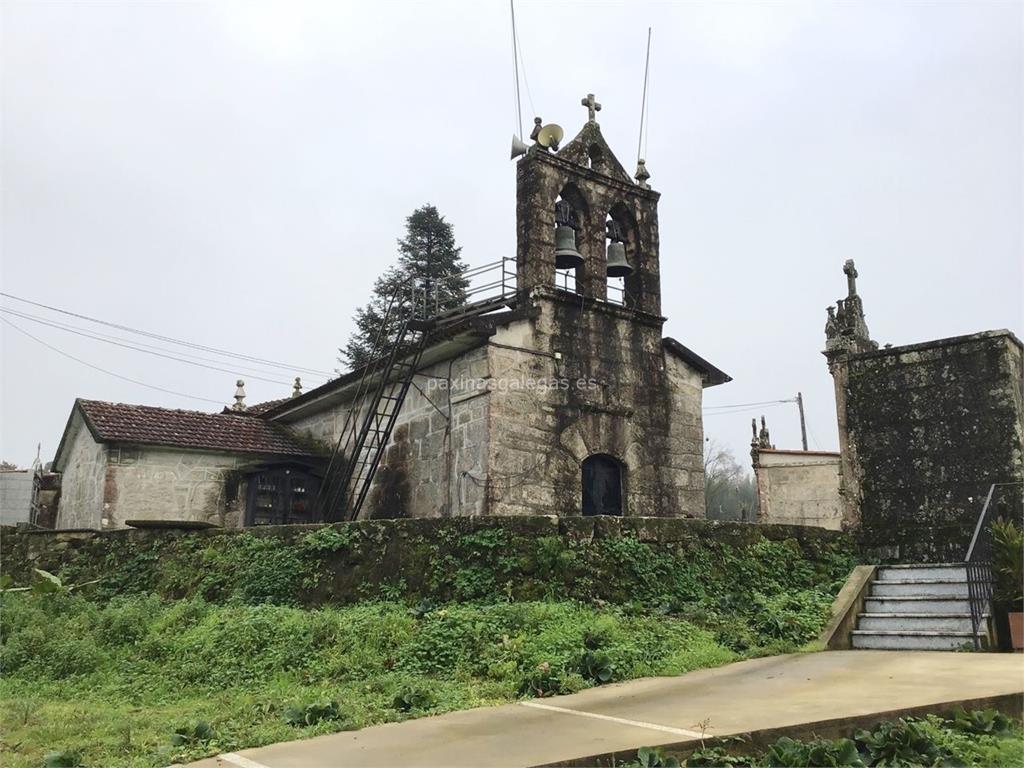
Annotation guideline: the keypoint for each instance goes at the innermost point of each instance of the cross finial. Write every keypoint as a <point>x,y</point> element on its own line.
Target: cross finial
<point>851,277</point>
<point>592,107</point>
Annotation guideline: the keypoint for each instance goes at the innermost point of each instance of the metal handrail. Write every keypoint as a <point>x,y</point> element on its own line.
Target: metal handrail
<point>979,567</point>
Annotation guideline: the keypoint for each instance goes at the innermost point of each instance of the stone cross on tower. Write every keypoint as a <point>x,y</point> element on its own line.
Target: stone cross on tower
<point>592,107</point>
<point>851,277</point>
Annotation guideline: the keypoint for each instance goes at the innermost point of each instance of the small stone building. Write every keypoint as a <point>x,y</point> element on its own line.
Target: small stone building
<point>136,462</point>
<point>562,398</point>
<point>795,487</point>
<point>924,431</point>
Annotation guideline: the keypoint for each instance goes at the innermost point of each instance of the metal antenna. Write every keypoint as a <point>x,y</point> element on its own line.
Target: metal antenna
<point>515,61</point>
<point>643,103</point>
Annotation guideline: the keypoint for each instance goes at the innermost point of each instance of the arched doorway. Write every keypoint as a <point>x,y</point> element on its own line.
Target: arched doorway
<point>602,485</point>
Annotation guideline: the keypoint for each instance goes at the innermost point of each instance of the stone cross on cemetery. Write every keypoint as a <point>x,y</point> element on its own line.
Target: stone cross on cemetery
<point>592,106</point>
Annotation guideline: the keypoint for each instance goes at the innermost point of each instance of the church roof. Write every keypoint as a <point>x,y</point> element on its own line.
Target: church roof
<point>712,376</point>
<point>149,425</point>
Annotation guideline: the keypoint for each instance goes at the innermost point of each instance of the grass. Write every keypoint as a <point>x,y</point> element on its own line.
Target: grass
<point>112,683</point>
<point>109,673</point>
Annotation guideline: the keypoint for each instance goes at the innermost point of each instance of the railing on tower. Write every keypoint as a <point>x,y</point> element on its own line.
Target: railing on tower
<point>978,560</point>
<point>565,279</point>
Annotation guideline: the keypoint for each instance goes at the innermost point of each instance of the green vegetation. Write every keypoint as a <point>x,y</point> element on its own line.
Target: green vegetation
<point>714,571</point>
<point>143,682</point>
<point>982,738</point>
<point>190,646</point>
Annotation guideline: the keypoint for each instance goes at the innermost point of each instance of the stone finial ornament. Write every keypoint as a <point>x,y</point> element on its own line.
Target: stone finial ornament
<point>297,387</point>
<point>537,125</point>
<point>239,396</point>
<point>592,107</point>
<point>845,328</point>
<point>642,174</point>
<point>764,439</point>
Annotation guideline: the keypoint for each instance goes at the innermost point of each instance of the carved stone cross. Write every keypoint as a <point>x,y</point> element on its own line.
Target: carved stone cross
<point>592,107</point>
<point>851,277</point>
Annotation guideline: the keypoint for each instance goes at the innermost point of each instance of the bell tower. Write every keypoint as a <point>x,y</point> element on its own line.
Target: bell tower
<point>581,218</point>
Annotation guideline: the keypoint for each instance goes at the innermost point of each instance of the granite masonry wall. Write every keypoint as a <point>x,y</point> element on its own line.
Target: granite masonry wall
<point>618,393</point>
<point>797,487</point>
<point>925,429</point>
<point>435,462</point>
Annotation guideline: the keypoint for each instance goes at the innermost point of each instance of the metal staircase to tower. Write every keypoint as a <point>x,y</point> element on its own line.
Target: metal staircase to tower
<point>386,380</point>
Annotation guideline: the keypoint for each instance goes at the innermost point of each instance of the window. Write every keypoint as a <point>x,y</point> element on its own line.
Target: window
<point>281,496</point>
<point>602,485</point>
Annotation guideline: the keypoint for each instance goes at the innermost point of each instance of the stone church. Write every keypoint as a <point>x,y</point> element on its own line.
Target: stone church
<point>560,396</point>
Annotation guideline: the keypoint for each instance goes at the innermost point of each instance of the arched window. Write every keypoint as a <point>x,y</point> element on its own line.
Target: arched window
<point>602,485</point>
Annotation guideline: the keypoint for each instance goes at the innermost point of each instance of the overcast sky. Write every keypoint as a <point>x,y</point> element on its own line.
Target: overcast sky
<point>236,174</point>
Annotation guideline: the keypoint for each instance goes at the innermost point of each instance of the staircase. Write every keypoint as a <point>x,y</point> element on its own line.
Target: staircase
<point>918,607</point>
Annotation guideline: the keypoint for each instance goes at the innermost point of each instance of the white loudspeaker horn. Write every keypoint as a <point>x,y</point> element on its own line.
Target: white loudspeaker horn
<point>519,147</point>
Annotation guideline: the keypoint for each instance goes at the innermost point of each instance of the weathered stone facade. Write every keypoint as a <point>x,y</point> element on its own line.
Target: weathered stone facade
<point>532,393</point>
<point>436,461</point>
<point>106,482</point>
<point>105,486</point>
<point>797,487</point>
<point>924,430</point>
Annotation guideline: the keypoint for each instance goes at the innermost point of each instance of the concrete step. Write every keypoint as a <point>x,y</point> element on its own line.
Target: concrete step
<point>919,588</point>
<point>933,622</point>
<point>919,640</point>
<point>926,571</point>
<point>926,604</point>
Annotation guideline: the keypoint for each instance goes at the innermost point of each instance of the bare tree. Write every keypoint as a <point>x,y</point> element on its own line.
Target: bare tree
<point>728,489</point>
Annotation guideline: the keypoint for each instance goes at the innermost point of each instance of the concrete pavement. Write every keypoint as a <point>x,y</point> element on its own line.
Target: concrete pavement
<point>746,696</point>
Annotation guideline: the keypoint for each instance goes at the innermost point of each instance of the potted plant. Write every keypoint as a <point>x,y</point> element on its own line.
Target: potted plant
<point>1008,576</point>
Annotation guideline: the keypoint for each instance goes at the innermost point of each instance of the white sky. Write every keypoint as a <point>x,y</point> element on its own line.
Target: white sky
<point>236,174</point>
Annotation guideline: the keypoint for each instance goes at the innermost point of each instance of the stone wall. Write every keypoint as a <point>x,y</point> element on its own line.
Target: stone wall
<point>523,557</point>
<point>797,487</point>
<point>83,479</point>
<point>151,483</point>
<point>924,430</point>
<point>435,462</point>
<point>16,496</point>
<point>619,393</point>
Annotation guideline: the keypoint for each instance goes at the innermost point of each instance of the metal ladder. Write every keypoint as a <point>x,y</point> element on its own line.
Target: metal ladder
<point>366,431</point>
<point>384,385</point>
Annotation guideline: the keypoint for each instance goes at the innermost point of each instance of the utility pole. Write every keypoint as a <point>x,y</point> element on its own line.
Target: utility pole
<point>803,424</point>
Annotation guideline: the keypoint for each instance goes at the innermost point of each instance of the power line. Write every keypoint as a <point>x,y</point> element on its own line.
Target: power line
<point>104,370</point>
<point>142,347</point>
<point>742,410</point>
<point>171,340</point>
<point>134,348</point>
<point>744,405</point>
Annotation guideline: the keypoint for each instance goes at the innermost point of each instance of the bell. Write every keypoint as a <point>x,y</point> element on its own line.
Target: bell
<point>617,264</point>
<point>566,255</point>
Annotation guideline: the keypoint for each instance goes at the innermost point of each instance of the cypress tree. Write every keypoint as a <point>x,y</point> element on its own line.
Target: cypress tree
<point>429,262</point>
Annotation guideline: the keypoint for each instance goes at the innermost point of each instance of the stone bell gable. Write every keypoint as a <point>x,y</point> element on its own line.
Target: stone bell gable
<point>587,175</point>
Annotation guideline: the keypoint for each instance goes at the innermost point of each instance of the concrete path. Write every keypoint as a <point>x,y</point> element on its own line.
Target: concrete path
<point>750,695</point>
